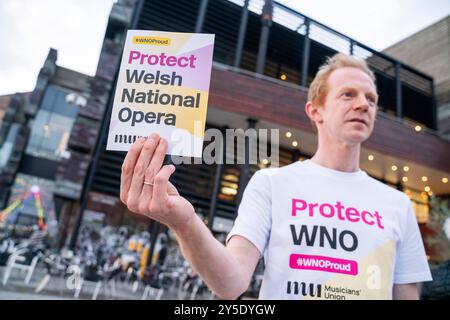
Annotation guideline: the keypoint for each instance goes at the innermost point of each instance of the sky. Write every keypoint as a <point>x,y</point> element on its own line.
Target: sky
<point>29,28</point>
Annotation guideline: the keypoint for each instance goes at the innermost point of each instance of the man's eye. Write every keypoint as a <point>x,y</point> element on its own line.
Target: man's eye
<point>347,94</point>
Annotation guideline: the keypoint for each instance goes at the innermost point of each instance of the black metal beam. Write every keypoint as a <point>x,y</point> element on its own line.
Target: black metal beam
<point>266,21</point>
<point>306,51</point>
<point>216,186</point>
<point>153,229</point>
<point>434,120</point>
<point>245,169</point>
<point>398,91</point>
<point>296,155</point>
<point>201,16</point>
<point>155,225</point>
<point>241,37</point>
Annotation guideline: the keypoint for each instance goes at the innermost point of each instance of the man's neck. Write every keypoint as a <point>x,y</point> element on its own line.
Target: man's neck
<point>338,156</point>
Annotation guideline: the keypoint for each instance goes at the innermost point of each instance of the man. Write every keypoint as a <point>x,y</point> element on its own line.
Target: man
<point>325,228</point>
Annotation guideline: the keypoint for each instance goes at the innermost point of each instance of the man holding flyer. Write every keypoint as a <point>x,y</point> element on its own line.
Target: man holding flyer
<point>325,228</point>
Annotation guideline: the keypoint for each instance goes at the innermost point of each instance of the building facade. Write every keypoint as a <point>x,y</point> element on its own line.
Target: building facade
<point>265,57</point>
<point>264,51</point>
<point>429,50</point>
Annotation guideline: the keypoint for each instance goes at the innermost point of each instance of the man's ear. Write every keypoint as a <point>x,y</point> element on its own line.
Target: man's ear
<point>313,112</point>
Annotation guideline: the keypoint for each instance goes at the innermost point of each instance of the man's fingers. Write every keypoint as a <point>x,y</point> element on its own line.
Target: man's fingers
<point>144,159</point>
<point>156,161</point>
<point>128,167</point>
<point>171,190</point>
<point>160,194</point>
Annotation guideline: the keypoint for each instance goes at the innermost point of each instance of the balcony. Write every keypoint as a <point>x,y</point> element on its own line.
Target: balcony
<point>296,46</point>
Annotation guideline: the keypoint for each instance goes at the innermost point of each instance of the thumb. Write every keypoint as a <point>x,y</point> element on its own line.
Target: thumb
<point>160,183</point>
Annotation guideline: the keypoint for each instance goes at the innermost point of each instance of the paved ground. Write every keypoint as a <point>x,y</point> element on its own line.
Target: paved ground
<point>15,295</point>
<point>57,289</point>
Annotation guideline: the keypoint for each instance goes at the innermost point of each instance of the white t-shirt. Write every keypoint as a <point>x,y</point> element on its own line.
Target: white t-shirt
<point>328,234</point>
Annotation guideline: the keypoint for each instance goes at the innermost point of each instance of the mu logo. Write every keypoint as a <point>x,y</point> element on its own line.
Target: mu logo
<point>312,290</point>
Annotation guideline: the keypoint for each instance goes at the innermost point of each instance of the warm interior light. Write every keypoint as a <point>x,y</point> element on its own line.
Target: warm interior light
<point>394,168</point>
<point>294,143</point>
<point>229,191</point>
<point>231,177</point>
<point>288,134</point>
<point>370,157</point>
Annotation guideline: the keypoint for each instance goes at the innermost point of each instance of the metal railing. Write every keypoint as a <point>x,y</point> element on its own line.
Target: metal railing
<point>401,83</point>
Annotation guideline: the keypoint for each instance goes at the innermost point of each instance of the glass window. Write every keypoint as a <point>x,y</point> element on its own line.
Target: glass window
<point>6,149</point>
<point>422,211</point>
<point>50,130</point>
<point>420,204</point>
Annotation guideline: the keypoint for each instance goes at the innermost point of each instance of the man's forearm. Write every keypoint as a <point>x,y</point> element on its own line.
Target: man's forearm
<point>409,291</point>
<point>210,259</point>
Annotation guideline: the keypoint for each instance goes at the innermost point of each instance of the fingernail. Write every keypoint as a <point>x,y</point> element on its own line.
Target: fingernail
<point>154,136</point>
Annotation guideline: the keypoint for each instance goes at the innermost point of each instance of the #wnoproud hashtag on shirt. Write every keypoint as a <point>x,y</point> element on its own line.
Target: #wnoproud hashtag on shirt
<point>328,234</point>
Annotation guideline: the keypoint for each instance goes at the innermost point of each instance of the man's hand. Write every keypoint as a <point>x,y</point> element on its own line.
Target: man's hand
<point>226,271</point>
<point>157,198</point>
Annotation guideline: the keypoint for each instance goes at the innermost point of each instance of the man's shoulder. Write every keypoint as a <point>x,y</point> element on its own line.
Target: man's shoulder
<point>386,190</point>
<point>272,172</point>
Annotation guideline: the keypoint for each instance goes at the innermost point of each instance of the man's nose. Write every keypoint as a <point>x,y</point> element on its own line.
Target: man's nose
<point>362,103</point>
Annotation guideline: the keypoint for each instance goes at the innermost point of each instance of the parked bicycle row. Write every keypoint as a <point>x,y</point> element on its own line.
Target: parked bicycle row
<point>112,264</point>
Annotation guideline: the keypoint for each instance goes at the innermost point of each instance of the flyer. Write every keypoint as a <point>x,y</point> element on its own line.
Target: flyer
<point>162,87</point>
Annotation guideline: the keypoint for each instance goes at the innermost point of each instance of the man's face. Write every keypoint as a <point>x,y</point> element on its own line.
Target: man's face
<point>349,110</point>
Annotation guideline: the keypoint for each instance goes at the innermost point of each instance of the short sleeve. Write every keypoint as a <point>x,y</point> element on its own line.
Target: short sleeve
<point>254,214</point>
<point>411,264</point>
